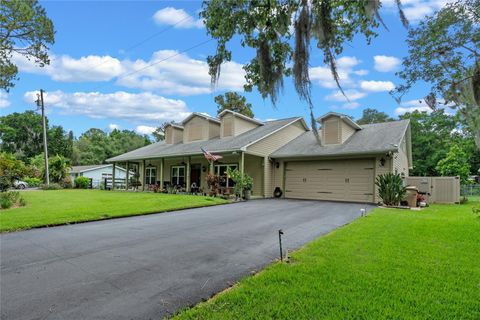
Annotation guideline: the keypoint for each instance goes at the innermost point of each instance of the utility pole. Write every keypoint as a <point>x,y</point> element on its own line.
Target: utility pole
<point>45,148</point>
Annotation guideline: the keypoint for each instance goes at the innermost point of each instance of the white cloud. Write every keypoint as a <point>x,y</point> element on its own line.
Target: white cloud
<point>377,86</point>
<point>180,74</point>
<point>415,10</point>
<point>134,107</point>
<point>386,63</point>
<point>177,18</point>
<point>361,72</point>
<point>168,72</point>
<point>4,102</point>
<point>412,105</point>
<point>113,126</point>
<point>145,130</point>
<point>323,76</point>
<point>350,105</point>
<point>64,68</point>
<point>352,95</point>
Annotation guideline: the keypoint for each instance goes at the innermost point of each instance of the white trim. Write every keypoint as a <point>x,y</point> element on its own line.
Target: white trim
<point>244,117</point>
<point>244,148</point>
<point>342,116</point>
<point>195,114</point>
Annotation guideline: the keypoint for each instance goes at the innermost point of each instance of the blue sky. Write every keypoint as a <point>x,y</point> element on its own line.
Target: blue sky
<point>100,75</point>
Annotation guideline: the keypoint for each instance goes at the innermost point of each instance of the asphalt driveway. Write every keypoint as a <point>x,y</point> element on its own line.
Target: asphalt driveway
<point>147,267</point>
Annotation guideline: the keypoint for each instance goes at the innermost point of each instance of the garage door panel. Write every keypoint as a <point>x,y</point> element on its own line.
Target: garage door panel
<point>343,180</point>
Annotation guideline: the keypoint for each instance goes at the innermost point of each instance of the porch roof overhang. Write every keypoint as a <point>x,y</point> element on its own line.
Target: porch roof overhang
<point>216,145</point>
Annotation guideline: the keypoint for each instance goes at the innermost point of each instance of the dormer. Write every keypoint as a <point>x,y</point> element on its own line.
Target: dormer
<point>234,123</point>
<point>336,128</point>
<point>173,133</point>
<point>200,127</point>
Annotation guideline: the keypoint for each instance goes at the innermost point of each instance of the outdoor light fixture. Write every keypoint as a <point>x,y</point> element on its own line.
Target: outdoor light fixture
<point>277,165</point>
<point>382,162</point>
<point>204,169</point>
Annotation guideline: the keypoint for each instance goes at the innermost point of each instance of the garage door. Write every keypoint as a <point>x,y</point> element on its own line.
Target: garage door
<point>345,180</point>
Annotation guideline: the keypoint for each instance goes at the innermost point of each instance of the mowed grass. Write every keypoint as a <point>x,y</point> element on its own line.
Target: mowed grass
<point>392,264</point>
<point>54,207</point>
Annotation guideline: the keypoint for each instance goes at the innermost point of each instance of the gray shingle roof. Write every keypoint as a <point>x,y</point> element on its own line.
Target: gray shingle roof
<point>161,149</point>
<point>372,139</point>
<point>79,169</point>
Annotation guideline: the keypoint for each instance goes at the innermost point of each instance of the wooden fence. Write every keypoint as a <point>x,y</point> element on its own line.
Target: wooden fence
<point>438,189</point>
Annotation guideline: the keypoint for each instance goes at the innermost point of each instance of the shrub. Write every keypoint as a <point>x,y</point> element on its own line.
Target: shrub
<point>67,182</point>
<point>5,203</point>
<point>10,170</point>
<point>51,186</point>
<point>82,182</point>
<point>8,199</point>
<point>33,182</point>
<point>390,188</point>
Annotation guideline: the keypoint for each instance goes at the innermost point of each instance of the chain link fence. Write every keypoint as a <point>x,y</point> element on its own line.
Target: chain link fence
<point>470,190</point>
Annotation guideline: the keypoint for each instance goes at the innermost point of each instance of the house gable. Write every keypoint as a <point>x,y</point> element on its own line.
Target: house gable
<point>336,128</point>
<point>173,134</point>
<point>234,123</point>
<point>198,127</point>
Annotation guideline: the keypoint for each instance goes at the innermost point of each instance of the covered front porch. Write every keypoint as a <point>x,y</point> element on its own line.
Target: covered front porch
<point>188,173</point>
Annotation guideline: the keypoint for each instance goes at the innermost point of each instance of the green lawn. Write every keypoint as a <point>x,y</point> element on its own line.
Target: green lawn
<point>53,207</point>
<point>392,264</point>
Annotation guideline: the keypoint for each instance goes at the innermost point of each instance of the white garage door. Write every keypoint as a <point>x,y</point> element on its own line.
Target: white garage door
<point>343,180</point>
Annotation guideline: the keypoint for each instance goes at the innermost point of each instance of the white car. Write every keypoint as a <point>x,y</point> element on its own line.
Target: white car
<point>20,184</point>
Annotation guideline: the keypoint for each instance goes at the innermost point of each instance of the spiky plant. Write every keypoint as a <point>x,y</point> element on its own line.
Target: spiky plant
<point>390,188</point>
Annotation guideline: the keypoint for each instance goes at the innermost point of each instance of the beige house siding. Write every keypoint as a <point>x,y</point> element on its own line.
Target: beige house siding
<point>254,168</point>
<point>232,125</point>
<point>173,135</point>
<point>273,142</point>
<point>241,125</point>
<point>347,131</point>
<point>213,130</point>
<point>400,159</point>
<point>331,130</point>
<point>195,129</point>
<point>226,126</point>
<point>270,144</point>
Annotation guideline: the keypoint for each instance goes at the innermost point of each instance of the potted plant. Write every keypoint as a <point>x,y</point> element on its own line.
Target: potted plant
<point>247,186</point>
<point>213,183</point>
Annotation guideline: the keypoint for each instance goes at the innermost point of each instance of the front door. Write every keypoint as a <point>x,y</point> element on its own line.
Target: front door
<point>195,172</point>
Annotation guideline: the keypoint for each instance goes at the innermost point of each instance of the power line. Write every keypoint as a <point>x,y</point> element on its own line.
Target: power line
<point>158,62</point>
<point>148,38</point>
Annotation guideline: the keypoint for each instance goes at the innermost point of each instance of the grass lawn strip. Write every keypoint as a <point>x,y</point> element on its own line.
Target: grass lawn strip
<point>57,207</point>
<point>392,264</point>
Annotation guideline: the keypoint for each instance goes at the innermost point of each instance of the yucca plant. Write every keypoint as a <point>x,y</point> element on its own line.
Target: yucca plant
<point>390,188</point>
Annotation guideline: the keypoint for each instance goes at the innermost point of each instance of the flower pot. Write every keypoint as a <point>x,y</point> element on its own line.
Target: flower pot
<point>247,194</point>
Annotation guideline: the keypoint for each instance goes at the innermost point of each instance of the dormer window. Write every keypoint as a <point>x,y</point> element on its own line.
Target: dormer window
<point>337,128</point>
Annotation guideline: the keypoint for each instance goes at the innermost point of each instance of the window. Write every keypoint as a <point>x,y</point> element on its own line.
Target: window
<point>221,170</point>
<point>150,175</point>
<point>178,175</point>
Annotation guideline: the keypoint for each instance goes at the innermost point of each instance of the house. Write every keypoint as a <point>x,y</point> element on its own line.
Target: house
<point>281,154</point>
<point>97,173</point>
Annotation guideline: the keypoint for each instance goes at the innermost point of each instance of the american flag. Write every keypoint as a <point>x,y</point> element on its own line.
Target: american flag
<point>209,156</point>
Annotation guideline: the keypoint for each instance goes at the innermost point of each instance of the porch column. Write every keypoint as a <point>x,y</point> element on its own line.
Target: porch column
<point>142,175</point>
<point>267,177</point>
<point>242,162</point>
<point>188,174</point>
<point>161,173</point>
<point>128,175</point>
<point>113,175</point>
<point>211,169</point>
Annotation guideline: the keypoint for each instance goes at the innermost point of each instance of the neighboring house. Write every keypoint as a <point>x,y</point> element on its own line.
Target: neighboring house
<point>282,153</point>
<point>97,173</point>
